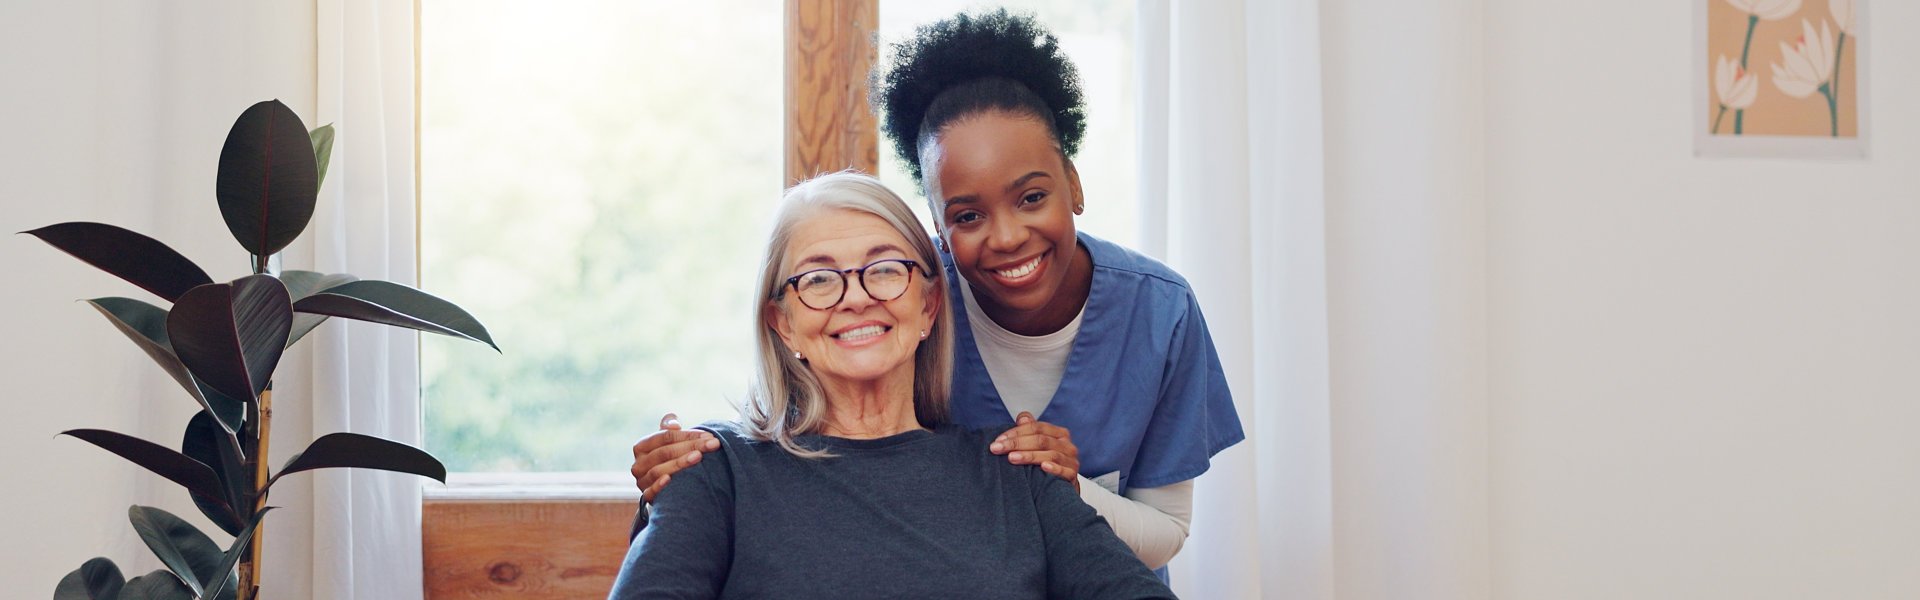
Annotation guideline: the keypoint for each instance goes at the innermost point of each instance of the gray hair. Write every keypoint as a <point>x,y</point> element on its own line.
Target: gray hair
<point>785,398</point>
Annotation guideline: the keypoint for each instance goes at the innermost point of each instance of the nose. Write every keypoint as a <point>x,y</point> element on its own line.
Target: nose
<point>856,298</point>
<point>1006,235</point>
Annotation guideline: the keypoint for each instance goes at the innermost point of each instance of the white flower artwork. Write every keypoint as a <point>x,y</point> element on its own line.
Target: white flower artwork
<point>1809,62</point>
<point>1812,102</point>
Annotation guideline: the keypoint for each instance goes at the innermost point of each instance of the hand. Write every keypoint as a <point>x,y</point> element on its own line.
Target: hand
<point>1033,442</point>
<point>665,452</point>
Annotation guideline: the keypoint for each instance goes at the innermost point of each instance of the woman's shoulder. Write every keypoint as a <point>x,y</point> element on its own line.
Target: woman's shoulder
<point>965,434</point>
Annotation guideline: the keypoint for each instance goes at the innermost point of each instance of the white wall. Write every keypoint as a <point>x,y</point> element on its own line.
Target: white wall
<point>1704,373</point>
<point>112,111</point>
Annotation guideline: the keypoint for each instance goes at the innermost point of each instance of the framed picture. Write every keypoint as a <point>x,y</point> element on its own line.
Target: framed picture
<point>1781,78</point>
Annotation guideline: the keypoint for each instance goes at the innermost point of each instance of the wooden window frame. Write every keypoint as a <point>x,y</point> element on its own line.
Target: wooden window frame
<point>540,536</point>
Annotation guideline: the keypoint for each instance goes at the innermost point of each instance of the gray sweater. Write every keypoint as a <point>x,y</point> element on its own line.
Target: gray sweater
<point>916,515</point>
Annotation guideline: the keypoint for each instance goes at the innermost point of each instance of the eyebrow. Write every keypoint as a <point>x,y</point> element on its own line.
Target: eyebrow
<point>823,259</point>
<point>1011,187</point>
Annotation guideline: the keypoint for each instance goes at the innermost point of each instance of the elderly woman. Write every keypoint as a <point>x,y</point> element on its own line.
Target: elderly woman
<point>845,478</point>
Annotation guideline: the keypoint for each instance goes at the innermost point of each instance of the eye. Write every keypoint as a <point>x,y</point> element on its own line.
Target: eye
<point>965,218</point>
<point>1033,197</point>
<point>886,269</point>
<point>814,279</point>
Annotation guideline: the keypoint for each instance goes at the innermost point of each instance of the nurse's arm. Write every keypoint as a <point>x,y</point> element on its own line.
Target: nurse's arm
<point>1152,521</point>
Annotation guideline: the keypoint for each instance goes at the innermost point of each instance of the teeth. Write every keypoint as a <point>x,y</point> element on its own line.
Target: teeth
<point>1022,270</point>
<point>861,333</point>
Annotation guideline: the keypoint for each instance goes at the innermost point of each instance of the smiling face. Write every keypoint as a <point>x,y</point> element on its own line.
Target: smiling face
<point>1005,198</point>
<point>860,340</point>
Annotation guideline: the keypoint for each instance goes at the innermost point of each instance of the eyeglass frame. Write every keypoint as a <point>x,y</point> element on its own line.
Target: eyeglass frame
<point>913,266</point>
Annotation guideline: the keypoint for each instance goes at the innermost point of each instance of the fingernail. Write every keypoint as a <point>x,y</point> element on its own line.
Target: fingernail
<point>712,444</point>
<point>997,447</point>
<point>1015,456</point>
<point>693,456</point>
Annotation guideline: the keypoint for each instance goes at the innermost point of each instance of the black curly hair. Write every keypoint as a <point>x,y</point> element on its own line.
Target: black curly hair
<point>997,61</point>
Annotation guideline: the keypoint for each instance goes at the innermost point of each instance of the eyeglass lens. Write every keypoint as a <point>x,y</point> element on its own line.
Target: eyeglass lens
<point>821,289</point>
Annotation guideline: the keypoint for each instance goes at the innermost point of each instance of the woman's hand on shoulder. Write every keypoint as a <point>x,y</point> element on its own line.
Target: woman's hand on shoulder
<point>1035,442</point>
<point>665,452</point>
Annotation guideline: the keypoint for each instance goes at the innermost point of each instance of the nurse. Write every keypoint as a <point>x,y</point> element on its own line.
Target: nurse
<point>1107,346</point>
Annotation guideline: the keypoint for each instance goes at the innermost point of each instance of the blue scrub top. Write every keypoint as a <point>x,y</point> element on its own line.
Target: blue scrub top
<point>1143,393</point>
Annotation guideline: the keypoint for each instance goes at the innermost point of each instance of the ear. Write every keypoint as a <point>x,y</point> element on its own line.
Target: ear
<point>931,308</point>
<point>930,311</point>
<point>776,320</point>
<point>1073,187</point>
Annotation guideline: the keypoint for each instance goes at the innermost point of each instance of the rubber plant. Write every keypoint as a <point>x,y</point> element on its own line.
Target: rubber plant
<point>221,342</point>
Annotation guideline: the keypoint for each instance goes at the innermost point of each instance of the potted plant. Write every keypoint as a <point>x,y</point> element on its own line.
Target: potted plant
<point>221,342</point>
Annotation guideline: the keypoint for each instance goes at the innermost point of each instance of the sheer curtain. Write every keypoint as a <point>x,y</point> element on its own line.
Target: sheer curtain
<point>364,378</point>
<point>1318,181</point>
<point>1208,114</point>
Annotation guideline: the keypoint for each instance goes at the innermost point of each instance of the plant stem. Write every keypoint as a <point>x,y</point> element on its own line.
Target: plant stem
<point>1752,20</point>
<point>1716,120</point>
<point>1833,112</point>
<point>1740,116</point>
<point>249,587</point>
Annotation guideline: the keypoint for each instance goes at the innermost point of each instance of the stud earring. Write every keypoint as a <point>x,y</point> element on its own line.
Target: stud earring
<point>797,356</point>
<point>923,334</point>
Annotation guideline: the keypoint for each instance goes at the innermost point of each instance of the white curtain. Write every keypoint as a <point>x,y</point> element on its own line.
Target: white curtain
<point>1319,187</point>
<point>365,525</point>
<point>1197,190</point>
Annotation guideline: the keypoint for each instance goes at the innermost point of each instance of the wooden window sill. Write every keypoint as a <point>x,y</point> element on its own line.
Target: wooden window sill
<point>526,535</point>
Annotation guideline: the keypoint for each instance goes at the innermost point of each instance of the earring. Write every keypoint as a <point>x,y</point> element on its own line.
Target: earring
<point>1079,207</point>
<point>923,334</point>
<point>797,356</point>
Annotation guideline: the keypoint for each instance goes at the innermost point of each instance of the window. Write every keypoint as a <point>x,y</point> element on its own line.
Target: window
<point>596,176</point>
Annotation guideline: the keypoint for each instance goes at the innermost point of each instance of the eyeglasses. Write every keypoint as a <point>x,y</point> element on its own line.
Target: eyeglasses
<point>884,280</point>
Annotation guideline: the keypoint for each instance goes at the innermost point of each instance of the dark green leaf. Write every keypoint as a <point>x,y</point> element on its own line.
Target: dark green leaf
<point>191,555</point>
<point>336,450</point>
<point>398,305</point>
<point>158,585</point>
<point>197,477</point>
<point>231,335</point>
<point>204,441</point>
<point>232,412</point>
<point>322,152</point>
<point>146,325</point>
<point>139,259</point>
<point>224,581</point>
<point>268,178</point>
<point>96,579</point>
<point>300,285</point>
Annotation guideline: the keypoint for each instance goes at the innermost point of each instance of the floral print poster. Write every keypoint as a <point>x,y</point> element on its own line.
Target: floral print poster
<point>1781,78</point>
